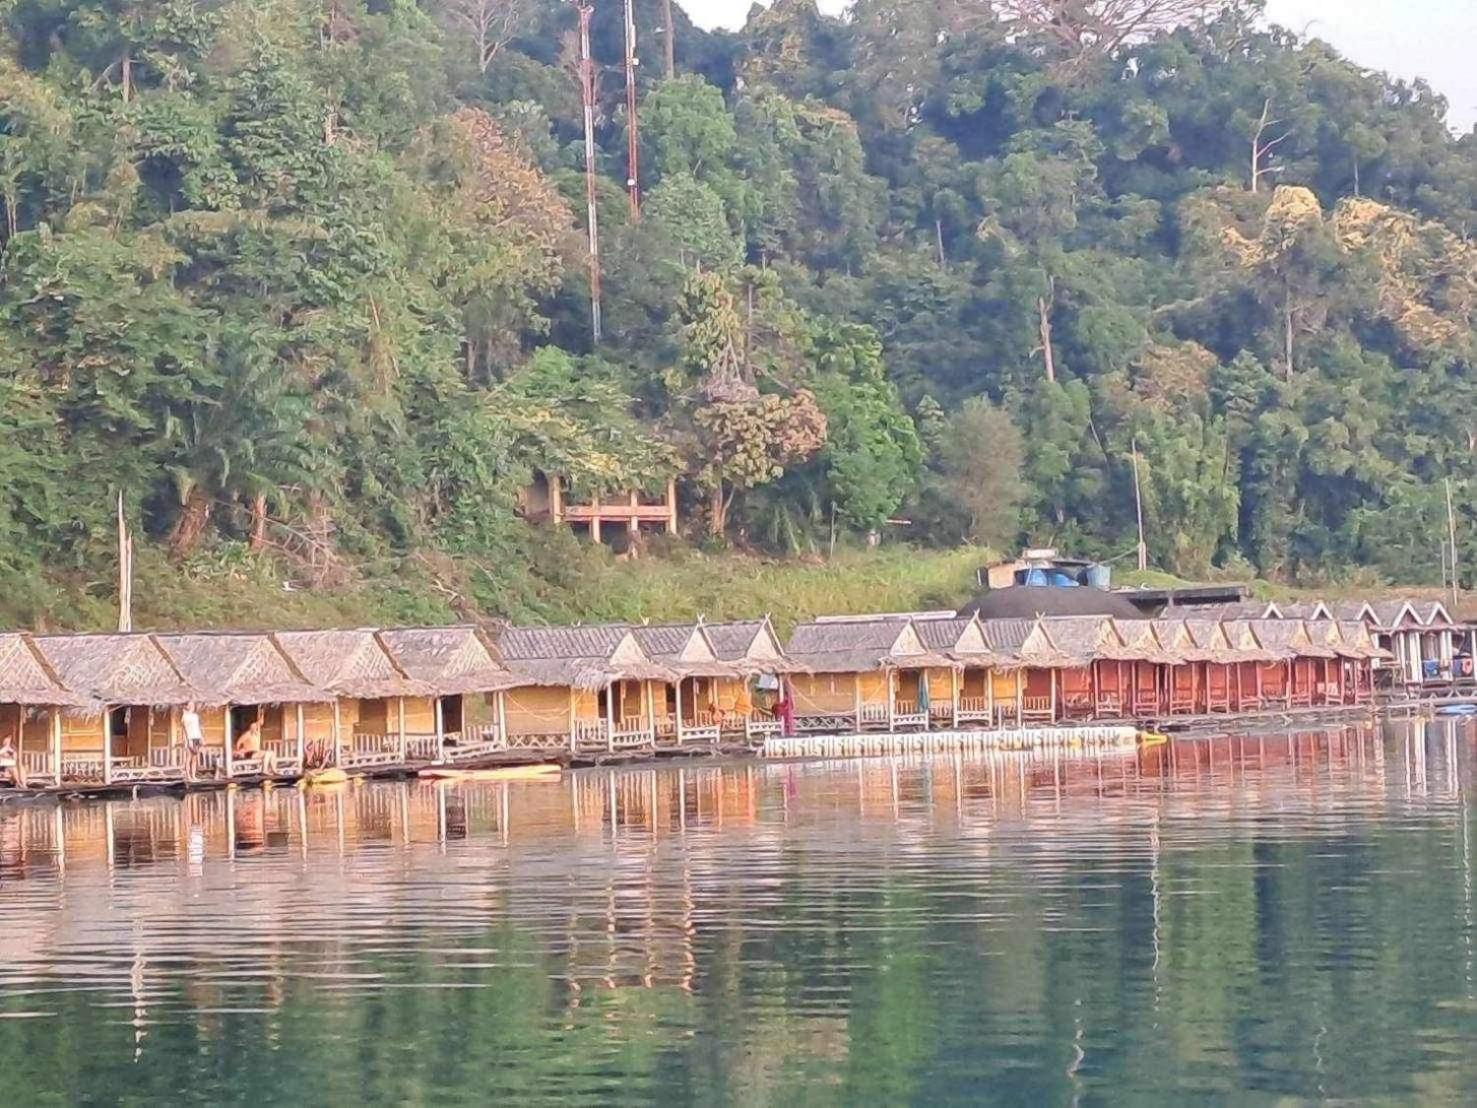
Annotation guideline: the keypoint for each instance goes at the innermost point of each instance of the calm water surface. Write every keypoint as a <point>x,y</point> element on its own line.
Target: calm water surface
<point>1279,916</point>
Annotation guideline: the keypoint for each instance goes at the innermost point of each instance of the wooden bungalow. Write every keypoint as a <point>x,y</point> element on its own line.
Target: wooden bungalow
<point>461,718</point>
<point>1251,655</point>
<point>1361,655</point>
<point>704,695</point>
<point>753,648</point>
<point>1101,684</point>
<point>579,688</point>
<point>32,705</point>
<point>370,716</point>
<point>245,678</point>
<point>962,693</point>
<point>1180,680</point>
<point>129,729</point>
<point>1289,680</point>
<point>1149,662</point>
<point>1030,693</point>
<point>1217,661</point>
<point>867,673</point>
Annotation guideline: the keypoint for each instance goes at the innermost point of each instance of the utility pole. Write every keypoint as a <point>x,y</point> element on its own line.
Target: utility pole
<point>125,571</point>
<point>1451,538</point>
<point>1138,505</point>
<point>633,176</point>
<point>587,94</point>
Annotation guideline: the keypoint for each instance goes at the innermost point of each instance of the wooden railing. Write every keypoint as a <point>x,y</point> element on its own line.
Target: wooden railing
<point>369,749</point>
<point>974,708</point>
<point>1036,707</point>
<point>631,731</point>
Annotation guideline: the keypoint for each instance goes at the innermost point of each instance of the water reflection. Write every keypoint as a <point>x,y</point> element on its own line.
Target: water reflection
<point>1289,913</point>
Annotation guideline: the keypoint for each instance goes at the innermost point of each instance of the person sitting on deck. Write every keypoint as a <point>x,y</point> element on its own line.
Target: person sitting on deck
<point>10,763</point>
<point>249,745</point>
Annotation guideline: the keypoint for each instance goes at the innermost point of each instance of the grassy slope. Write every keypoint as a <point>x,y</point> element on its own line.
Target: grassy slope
<point>563,583</point>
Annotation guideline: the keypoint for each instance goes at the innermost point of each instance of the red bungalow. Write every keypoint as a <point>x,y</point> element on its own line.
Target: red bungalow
<point>1251,657</point>
<point>1217,662</point>
<point>1182,676</point>
<point>1145,669</point>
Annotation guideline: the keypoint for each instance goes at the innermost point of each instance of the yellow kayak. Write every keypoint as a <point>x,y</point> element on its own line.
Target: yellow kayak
<point>330,776</point>
<point>543,772</point>
<point>1152,738</point>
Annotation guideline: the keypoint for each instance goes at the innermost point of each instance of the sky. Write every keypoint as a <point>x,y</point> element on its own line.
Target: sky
<point>1406,38</point>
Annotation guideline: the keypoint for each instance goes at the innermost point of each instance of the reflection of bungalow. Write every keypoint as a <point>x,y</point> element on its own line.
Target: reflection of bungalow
<point>461,717</point>
<point>135,693</point>
<point>579,688</point>
<point>246,678</point>
<point>869,672</point>
<point>32,701</point>
<point>377,705</point>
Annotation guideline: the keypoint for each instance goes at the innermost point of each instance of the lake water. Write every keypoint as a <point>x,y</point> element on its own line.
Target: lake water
<point>1285,916</point>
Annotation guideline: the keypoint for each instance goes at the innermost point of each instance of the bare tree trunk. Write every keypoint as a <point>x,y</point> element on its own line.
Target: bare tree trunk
<point>126,69</point>
<point>258,522</point>
<point>669,40</point>
<point>718,512</point>
<point>1043,311</point>
<point>189,528</point>
<point>938,238</point>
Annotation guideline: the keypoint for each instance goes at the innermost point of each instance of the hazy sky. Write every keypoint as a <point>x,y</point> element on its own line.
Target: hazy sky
<point>1433,39</point>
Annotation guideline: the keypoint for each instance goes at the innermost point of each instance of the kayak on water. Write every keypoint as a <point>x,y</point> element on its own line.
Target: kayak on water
<point>330,776</point>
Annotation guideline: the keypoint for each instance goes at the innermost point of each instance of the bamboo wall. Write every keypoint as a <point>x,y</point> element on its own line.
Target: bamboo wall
<point>537,710</point>
<point>823,693</point>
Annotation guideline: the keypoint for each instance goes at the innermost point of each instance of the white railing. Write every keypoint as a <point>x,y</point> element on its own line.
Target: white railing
<point>370,750</point>
<point>82,766</point>
<point>542,740</point>
<point>974,708</point>
<point>590,734</point>
<point>631,731</point>
<point>825,723</point>
<point>36,764</point>
<point>1036,707</point>
<point>474,742</point>
<point>285,759</point>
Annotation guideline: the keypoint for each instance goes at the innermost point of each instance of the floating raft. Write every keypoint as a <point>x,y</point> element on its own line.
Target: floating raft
<point>1024,738</point>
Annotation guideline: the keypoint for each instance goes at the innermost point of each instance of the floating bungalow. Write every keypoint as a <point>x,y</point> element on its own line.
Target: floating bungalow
<point>580,688</point>
<point>464,715</point>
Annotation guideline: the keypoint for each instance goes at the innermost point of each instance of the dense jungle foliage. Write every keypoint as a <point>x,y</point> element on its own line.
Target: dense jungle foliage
<point>309,278</point>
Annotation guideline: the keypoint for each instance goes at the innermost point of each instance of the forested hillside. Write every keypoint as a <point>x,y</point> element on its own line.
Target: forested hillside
<point>307,282</point>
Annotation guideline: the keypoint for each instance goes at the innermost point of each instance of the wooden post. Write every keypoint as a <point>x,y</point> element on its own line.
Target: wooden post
<point>440,713</point>
<point>632,527</point>
<point>400,727</point>
<point>595,524</point>
<point>500,698</point>
<point>1138,504</point>
<point>650,710</point>
<point>1451,537</point>
<point>610,717</point>
<point>302,740</point>
<point>573,723</point>
<point>1052,674</point>
<point>1020,694</point>
<point>954,694</point>
<point>107,746</point>
<point>56,743</point>
<point>891,675</point>
<point>226,755</point>
<point>556,498</point>
<point>990,695</point>
<point>857,684</point>
<point>338,730</point>
<point>671,506</point>
<point>678,724</point>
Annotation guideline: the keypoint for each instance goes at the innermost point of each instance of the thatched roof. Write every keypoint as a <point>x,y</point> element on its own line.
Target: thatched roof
<point>25,677</point>
<point>1176,644</point>
<point>455,661</point>
<point>684,648</point>
<point>118,669</point>
<point>1288,638</point>
<point>1212,643</point>
<point>578,657</point>
<point>349,663</point>
<point>961,638</point>
<point>1244,641</point>
<point>862,645</point>
<point>1346,611</point>
<point>1091,638</point>
<point>238,668</point>
<point>750,645</point>
<point>1357,637</point>
<point>1307,609</point>
<point>1026,643</point>
<point>1392,615</point>
<point>1245,609</point>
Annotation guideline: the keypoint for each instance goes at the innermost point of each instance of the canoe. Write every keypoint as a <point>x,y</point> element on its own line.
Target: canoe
<point>542,772</point>
<point>330,776</point>
<point>1152,738</point>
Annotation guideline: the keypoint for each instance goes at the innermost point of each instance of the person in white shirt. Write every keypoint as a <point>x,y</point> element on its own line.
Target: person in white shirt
<point>194,740</point>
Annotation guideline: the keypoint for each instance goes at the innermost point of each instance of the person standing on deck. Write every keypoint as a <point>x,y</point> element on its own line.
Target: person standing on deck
<point>194,740</point>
